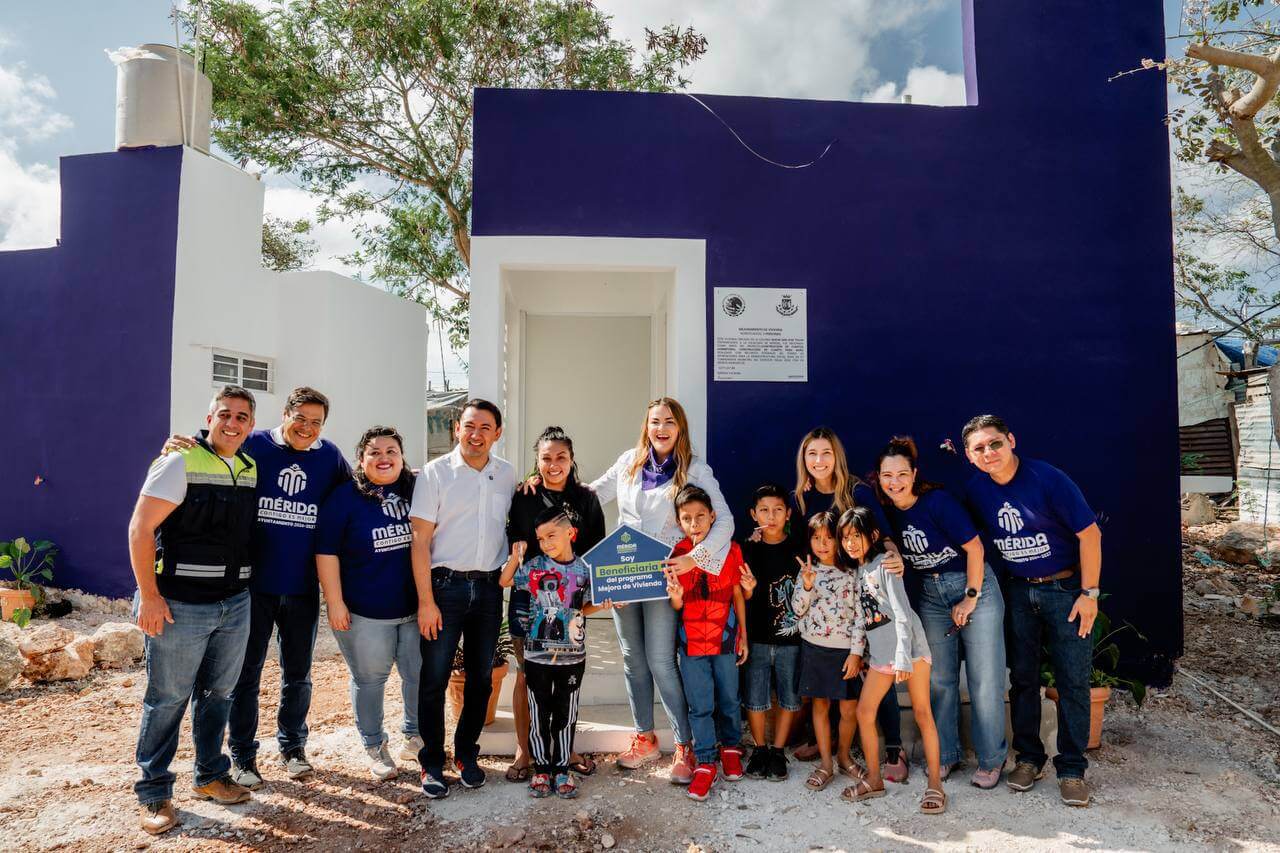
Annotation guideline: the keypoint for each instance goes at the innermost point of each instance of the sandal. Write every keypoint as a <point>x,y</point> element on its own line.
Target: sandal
<point>566,788</point>
<point>805,752</point>
<point>540,785</point>
<point>861,791</point>
<point>853,771</point>
<point>934,802</point>
<point>819,779</point>
<point>519,774</point>
<point>585,767</point>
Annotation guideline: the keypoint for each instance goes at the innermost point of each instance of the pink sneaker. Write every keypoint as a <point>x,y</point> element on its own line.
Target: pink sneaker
<point>682,765</point>
<point>642,751</point>
<point>985,779</point>
<point>896,771</point>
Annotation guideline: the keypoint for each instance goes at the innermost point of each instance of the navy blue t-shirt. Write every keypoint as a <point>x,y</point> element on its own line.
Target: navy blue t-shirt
<point>292,484</point>
<point>1033,519</point>
<point>816,502</point>
<point>932,532</point>
<point>370,536</point>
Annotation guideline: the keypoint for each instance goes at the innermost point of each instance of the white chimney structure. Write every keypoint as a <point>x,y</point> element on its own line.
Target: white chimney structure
<point>161,99</point>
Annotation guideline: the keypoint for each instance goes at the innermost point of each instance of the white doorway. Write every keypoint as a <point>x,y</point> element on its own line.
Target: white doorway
<point>592,376</point>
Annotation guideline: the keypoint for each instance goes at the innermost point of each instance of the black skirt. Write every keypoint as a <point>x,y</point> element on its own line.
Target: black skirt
<point>822,673</point>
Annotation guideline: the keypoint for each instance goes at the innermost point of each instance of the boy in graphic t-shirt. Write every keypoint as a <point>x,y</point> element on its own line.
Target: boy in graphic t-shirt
<point>557,585</point>
<point>712,643</point>
<point>774,629</point>
<point>1048,538</point>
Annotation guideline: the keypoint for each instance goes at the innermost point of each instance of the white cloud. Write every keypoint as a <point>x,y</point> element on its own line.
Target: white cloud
<point>29,204</point>
<point>29,196</point>
<point>927,85</point>
<point>818,49</point>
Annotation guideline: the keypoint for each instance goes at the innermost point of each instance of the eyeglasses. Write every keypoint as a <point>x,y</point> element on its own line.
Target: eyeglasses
<point>299,420</point>
<point>995,445</point>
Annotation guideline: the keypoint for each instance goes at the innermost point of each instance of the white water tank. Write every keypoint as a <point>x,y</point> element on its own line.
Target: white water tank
<point>159,95</point>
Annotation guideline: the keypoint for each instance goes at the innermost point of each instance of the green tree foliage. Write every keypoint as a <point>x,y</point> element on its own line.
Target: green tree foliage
<point>369,103</point>
<point>285,245</point>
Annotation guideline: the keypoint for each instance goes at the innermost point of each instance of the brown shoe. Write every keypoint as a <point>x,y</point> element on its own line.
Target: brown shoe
<point>222,790</point>
<point>1024,776</point>
<point>158,817</point>
<point>1074,791</point>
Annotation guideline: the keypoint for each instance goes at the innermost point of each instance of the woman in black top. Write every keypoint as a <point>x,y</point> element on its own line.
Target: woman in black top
<point>559,487</point>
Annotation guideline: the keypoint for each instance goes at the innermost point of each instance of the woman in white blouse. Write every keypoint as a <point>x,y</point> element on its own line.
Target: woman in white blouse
<point>644,481</point>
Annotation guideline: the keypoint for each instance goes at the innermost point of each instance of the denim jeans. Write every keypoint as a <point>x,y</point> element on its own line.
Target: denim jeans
<point>647,635</point>
<point>715,711</point>
<point>1039,611</point>
<point>471,611</point>
<point>981,645</point>
<point>195,660</point>
<point>370,647</point>
<point>296,617</point>
<point>772,668</point>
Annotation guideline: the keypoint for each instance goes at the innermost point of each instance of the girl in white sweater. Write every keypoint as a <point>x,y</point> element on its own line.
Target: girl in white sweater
<point>825,601</point>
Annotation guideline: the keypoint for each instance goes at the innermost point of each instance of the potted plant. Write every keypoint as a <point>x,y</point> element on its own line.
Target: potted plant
<point>1103,675</point>
<point>26,562</point>
<point>457,677</point>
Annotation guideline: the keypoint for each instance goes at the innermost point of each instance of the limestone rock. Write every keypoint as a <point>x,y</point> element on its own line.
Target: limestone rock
<point>116,644</point>
<point>509,835</point>
<point>1250,606</point>
<point>11,662</point>
<point>1240,544</point>
<point>1216,586</point>
<point>45,639</point>
<point>69,662</point>
<point>1197,510</point>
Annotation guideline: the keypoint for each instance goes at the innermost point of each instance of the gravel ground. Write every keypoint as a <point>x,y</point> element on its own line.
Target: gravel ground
<point>1184,772</point>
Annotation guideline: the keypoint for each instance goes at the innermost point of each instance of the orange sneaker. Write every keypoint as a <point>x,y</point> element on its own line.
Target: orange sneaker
<point>643,750</point>
<point>682,765</point>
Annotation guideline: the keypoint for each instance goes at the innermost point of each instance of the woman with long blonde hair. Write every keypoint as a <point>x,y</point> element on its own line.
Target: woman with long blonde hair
<point>825,483</point>
<point>644,481</point>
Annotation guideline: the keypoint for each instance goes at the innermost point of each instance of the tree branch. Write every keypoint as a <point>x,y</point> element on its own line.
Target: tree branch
<point>1267,69</point>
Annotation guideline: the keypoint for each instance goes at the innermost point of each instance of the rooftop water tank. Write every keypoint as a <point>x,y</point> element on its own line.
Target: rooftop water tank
<point>158,94</point>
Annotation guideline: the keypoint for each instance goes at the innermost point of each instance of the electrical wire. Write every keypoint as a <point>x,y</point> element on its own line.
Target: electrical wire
<point>754,152</point>
<point>1231,329</point>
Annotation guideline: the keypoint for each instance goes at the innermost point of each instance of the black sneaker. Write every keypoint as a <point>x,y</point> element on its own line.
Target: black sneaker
<point>434,785</point>
<point>777,769</point>
<point>471,772</point>
<point>758,764</point>
<point>246,774</point>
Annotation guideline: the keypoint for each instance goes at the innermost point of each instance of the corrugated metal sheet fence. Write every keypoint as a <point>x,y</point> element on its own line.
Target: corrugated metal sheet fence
<point>1258,477</point>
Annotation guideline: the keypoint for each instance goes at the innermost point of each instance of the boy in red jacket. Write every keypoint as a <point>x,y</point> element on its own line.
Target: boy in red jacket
<point>712,644</point>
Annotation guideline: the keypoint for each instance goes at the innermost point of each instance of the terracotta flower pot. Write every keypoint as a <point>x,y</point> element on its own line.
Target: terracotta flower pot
<point>457,685</point>
<point>1098,697</point>
<point>15,599</point>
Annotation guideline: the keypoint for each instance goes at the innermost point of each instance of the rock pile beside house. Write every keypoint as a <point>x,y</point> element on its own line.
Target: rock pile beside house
<point>52,652</point>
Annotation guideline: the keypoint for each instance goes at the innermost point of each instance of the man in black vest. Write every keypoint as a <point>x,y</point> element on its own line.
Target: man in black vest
<point>189,542</point>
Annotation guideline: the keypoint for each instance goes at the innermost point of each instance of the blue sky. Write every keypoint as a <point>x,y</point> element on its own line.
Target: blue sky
<point>57,87</point>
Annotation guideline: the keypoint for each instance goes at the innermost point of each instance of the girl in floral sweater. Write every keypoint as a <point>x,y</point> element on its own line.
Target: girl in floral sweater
<point>825,601</point>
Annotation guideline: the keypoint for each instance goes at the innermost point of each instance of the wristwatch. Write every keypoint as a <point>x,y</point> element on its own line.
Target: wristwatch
<point>1092,592</point>
<point>973,592</point>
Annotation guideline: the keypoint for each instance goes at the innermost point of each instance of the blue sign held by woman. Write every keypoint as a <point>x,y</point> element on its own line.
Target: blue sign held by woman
<point>626,566</point>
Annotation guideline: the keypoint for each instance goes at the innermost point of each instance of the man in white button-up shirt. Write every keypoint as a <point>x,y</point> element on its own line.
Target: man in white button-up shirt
<point>459,516</point>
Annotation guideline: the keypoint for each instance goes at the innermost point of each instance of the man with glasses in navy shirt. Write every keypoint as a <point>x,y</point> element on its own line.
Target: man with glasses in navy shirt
<point>1049,540</point>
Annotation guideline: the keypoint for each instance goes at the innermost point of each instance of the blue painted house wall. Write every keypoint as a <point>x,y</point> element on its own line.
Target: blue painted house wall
<point>1010,256</point>
<point>86,329</point>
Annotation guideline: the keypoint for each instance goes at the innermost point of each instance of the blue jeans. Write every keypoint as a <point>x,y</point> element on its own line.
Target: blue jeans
<point>1039,612</point>
<point>771,668</point>
<point>715,711</point>
<point>296,617</point>
<point>370,647</point>
<point>981,644</point>
<point>471,612</point>
<point>195,660</point>
<point>647,635</point>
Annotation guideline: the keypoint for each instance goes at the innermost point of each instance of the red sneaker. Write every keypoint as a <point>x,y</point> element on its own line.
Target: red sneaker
<point>731,763</point>
<point>703,778</point>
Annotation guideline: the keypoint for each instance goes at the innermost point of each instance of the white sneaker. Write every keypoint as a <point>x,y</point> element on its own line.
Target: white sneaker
<point>380,763</point>
<point>409,752</point>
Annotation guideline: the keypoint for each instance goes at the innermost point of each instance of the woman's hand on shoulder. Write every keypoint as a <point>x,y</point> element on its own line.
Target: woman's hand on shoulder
<point>530,484</point>
<point>176,443</point>
<point>892,562</point>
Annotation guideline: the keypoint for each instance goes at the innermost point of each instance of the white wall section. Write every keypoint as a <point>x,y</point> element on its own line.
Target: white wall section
<point>363,347</point>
